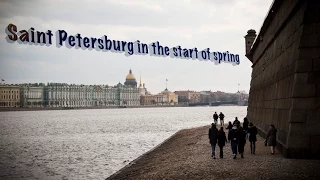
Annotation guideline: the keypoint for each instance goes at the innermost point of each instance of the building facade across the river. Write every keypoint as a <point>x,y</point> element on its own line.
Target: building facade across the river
<point>9,96</point>
<point>72,95</point>
<point>32,95</point>
<point>129,93</point>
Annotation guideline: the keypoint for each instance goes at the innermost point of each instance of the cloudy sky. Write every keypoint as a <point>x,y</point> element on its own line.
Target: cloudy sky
<point>216,24</point>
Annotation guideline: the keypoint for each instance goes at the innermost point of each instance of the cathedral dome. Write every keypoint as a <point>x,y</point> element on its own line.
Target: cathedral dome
<point>130,80</point>
<point>130,76</point>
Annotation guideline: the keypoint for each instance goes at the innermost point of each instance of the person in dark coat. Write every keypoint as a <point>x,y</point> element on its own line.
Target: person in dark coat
<point>236,121</point>
<point>215,117</point>
<point>252,131</point>
<point>272,138</point>
<point>221,116</point>
<point>229,127</point>
<point>222,140</point>
<point>233,138</point>
<point>245,125</point>
<point>213,136</point>
<point>241,140</point>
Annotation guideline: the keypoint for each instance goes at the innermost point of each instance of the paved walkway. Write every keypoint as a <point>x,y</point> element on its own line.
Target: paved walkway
<point>187,156</point>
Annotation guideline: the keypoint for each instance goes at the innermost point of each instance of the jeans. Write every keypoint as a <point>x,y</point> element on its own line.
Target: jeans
<point>213,148</point>
<point>234,146</point>
<point>253,146</point>
<point>221,122</point>
<point>221,151</point>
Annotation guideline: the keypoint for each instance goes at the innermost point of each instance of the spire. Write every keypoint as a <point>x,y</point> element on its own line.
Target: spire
<point>166,85</point>
<point>140,80</point>
<point>130,71</point>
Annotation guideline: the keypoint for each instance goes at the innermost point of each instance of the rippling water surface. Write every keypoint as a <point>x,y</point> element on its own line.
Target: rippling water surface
<point>90,144</point>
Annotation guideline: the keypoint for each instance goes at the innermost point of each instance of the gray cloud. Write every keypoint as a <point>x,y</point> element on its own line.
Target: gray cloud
<point>219,25</point>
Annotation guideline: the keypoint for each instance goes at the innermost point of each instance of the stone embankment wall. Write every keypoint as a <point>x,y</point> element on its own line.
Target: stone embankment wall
<point>285,84</point>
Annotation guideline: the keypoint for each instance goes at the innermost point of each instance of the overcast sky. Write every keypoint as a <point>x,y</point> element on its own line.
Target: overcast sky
<point>216,24</point>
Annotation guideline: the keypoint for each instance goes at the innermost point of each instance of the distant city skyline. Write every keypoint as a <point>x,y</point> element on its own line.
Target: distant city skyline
<point>138,81</point>
<point>190,89</point>
<point>219,25</point>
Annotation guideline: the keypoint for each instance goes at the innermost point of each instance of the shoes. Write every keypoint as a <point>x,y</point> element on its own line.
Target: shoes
<point>241,155</point>
<point>254,153</point>
<point>235,156</point>
<point>214,157</point>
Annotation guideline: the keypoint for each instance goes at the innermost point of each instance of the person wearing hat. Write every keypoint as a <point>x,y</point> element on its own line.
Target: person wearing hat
<point>213,137</point>
<point>252,131</point>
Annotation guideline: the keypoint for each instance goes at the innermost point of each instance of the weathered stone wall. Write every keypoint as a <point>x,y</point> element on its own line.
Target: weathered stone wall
<point>285,87</point>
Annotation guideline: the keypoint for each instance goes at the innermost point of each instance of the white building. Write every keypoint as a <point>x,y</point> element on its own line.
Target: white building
<point>128,95</point>
<point>112,96</point>
<point>64,95</point>
<point>99,95</point>
<point>31,95</point>
<point>161,99</point>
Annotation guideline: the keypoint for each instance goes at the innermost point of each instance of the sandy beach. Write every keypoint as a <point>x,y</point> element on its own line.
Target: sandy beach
<point>186,155</point>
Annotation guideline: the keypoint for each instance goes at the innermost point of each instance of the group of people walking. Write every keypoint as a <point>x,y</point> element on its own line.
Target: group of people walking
<point>237,136</point>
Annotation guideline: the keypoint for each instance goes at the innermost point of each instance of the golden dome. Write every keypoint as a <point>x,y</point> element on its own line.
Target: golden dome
<point>130,76</point>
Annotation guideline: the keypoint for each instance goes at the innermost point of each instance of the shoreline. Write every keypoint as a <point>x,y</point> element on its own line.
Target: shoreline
<point>141,156</point>
<point>7,109</point>
<point>187,155</point>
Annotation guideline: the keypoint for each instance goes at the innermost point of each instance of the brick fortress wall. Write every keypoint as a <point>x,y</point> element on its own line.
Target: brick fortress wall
<point>285,83</point>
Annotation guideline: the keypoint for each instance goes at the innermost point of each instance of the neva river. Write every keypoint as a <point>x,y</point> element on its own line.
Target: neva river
<point>91,144</point>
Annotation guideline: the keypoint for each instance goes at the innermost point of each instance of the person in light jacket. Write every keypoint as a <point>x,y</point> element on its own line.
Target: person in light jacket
<point>272,138</point>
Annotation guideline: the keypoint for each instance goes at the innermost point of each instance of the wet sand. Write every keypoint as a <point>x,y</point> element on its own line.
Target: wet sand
<point>187,155</point>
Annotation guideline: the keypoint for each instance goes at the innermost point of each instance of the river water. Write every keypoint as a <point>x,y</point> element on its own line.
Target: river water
<point>90,144</point>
